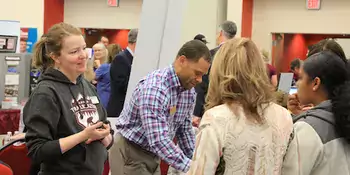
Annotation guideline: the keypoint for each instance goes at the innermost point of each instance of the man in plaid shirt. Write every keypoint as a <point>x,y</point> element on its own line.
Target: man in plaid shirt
<point>159,110</point>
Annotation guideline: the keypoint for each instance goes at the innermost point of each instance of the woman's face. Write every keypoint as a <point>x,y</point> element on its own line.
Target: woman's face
<point>306,88</point>
<point>99,52</point>
<point>73,55</point>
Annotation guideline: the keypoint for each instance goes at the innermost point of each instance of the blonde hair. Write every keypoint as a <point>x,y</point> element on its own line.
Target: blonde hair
<point>89,73</point>
<point>51,44</point>
<point>113,50</point>
<point>238,75</point>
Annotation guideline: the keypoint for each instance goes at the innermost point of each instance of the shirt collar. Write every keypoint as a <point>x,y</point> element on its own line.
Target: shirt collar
<point>175,80</point>
<point>131,52</point>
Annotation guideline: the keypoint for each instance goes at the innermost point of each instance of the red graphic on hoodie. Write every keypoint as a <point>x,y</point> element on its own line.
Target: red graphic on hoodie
<point>85,111</point>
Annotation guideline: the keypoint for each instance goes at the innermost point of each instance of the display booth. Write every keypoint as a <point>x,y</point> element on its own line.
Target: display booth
<point>14,87</point>
<point>14,76</point>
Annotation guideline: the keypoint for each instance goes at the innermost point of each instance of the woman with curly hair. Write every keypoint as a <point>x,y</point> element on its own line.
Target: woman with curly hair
<point>242,130</point>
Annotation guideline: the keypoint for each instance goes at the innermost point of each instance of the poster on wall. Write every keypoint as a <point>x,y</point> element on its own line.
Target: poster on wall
<point>12,79</point>
<point>29,37</point>
<point>8,44</point>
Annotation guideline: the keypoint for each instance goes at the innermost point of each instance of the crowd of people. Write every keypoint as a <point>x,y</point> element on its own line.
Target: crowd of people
<point>228,93</point>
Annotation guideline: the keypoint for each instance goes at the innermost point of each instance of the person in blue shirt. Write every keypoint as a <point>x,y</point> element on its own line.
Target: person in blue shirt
<point>103,83</point>
<point>103,78</point>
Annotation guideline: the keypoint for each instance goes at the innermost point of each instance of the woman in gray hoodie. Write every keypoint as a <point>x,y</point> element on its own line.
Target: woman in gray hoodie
<point>321,137</point>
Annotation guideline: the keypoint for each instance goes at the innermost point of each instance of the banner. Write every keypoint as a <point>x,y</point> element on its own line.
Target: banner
<point>29,37</point>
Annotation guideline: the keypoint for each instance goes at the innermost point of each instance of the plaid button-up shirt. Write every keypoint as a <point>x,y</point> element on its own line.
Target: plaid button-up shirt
<point>159,110</point>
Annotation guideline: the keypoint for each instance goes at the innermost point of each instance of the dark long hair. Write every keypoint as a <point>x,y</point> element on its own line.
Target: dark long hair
<point>334,75</point>
<point>327,45</point>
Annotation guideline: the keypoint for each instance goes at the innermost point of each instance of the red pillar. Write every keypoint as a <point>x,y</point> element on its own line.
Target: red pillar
<point>247,18</point>
<point>53,13</point>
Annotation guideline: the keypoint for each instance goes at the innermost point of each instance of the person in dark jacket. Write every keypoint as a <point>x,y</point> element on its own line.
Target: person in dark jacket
<point>67,130</point>
<point>120,73</point>
<point>228,30</point>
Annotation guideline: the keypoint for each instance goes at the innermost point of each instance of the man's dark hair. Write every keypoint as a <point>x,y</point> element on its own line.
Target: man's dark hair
<point>194,50</point>
<point>229,29</point>
<point>295,64</point>
<point>102,36</point>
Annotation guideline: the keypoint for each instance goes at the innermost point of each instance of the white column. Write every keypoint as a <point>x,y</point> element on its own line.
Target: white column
<point>158,38</point>
<point>165,26</point>
<point>221,11</point>
<point>234,13</point>
<point>172,32</point>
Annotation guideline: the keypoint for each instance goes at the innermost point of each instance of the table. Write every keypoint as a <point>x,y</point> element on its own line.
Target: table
<point>9,120</point>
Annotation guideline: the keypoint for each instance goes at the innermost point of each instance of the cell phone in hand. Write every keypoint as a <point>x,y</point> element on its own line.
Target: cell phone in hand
<point>104,122</point>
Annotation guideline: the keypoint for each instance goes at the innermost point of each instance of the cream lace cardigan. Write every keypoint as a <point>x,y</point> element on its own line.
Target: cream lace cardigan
<point>246,148</point>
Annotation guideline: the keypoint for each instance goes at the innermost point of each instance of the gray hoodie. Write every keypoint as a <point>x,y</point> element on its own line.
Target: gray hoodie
<point>316,148</point>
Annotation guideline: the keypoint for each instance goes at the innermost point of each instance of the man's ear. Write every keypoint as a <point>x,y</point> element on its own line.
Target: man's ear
<point>182,59</point>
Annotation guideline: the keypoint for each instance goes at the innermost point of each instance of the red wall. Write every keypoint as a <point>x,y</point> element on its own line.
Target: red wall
<point>120,37</point>
<point>247,18</point>
<point>53,13</point>
<point>296,46</point>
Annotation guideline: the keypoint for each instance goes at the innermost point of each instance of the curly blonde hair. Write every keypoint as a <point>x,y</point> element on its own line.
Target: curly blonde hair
<point>238,75</point>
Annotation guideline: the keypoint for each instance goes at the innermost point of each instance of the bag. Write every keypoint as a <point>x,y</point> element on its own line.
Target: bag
<point>220,170</point>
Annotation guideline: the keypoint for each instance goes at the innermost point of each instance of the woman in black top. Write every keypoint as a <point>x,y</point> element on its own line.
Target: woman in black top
<point>67,130</point>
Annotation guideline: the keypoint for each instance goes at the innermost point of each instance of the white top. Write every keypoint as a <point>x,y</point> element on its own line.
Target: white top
<point>246,147</point>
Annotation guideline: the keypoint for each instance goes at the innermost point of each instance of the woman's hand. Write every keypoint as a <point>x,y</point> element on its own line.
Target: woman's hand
<point>18,136</point>
<point>97,63</point>
<point>293,104</point>
<point>195,121</point>
<point>97,131</point>
<point>107,140</point>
